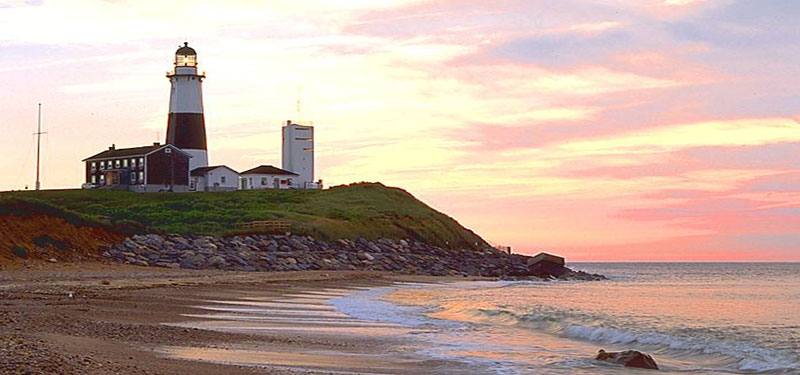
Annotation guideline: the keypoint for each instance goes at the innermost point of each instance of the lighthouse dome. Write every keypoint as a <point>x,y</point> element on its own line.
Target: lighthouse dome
<point>185,50</point>
<point>185,56</point>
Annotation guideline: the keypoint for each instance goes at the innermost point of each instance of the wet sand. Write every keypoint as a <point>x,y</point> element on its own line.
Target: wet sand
<point>101,319</point>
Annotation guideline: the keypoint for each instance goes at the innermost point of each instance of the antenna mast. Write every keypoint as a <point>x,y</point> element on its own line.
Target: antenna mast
<point>299,102</point>
<point>38,135</point>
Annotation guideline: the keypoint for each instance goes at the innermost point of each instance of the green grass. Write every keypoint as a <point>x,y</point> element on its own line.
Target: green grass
<point>365,210</point>
<point>19,204</point>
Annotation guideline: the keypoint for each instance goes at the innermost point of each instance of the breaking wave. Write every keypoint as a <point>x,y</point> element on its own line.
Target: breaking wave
<point>744,355</point>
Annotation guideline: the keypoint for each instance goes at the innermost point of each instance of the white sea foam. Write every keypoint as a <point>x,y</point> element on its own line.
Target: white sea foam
<point>748,357</point>
<point>368,305</point>
<point>578,317</point>
<point>257,311</point>
<point>287,305</point>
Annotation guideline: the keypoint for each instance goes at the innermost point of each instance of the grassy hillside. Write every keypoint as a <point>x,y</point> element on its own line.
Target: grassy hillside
<point>14,204</point>
<point>365,210</point>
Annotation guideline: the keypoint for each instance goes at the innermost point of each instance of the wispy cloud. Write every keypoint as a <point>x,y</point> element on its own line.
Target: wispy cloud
<point>585,127</point>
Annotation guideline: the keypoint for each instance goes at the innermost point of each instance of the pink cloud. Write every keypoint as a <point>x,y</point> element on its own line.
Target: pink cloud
<point>702,248</point>
<point>728,213</point>
<point>774,156</point>
<point>622,130</point>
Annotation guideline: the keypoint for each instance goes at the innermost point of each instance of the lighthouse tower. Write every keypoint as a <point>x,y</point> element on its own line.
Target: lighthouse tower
<point>186,128</point>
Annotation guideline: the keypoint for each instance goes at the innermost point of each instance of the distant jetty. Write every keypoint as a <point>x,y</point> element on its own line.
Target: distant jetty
<point>302,253</point>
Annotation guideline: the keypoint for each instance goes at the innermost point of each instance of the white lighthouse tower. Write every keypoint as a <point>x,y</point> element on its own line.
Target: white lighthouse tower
<point>298,153</point>
<point>186,128</point>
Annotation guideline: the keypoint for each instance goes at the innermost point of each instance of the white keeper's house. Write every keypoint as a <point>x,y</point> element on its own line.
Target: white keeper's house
<point>214,178</point>
<point>269,177</point>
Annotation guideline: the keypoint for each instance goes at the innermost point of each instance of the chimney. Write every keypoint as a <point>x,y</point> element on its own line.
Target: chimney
<point>156,143</point>
<point>288,122</point>
<point>113,147</point>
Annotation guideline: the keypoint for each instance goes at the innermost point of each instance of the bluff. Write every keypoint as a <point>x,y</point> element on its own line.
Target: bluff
<point>34,230</point>
<point>364,210</point>
<point>364,226</point>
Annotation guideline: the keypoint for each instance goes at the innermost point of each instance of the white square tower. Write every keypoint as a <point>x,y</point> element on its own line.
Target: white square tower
<point>298,153</point>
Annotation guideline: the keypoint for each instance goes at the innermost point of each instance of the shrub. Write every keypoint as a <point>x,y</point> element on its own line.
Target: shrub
<point>45,240</point>
<point>19,251</point>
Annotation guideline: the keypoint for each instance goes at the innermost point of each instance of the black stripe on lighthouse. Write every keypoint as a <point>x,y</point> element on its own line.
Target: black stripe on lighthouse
<point>187,131</point>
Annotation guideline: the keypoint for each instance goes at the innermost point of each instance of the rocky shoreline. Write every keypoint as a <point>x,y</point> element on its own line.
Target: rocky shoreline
<point>302,253</point>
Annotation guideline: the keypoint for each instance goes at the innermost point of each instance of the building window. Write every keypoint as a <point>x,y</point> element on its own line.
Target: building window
<point>94,180</point>
<point>222,179</point>
<point>263,181</point>
<point>141,177</point>
<point>124,163</point>
<point>185,60</point>
<point>102,165</point>
<point>116,163</point>
<point>94,165</point>
<point>141,162</point>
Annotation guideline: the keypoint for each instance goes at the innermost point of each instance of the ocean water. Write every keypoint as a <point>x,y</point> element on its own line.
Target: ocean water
<point>695,318</point>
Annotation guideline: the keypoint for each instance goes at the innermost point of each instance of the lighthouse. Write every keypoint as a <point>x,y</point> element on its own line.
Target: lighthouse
<point>186,127</point>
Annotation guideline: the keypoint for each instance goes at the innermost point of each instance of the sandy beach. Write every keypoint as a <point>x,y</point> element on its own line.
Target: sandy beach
<point>95,318</point>
<point>98,319</point>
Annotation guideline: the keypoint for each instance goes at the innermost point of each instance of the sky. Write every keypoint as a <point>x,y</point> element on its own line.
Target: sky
<point>601,130</point>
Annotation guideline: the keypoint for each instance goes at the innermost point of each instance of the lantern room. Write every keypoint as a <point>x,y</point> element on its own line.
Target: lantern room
<point>185,56</point>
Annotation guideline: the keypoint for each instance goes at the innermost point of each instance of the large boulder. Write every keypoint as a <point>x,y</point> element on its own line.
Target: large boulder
<point>629,358</point>
<point>545,257</point>
<point>216,262</point>
<point>542,265</point>
<point>193,262</point>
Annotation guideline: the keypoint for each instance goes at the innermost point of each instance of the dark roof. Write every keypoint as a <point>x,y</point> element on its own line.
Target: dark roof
<point>203,170</point>
<point>186,50</point>
<point>123,152</point>
<point>112,153</point>
<point>268,169</point>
